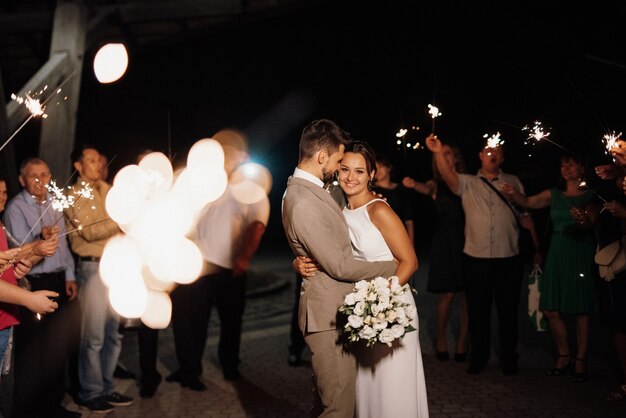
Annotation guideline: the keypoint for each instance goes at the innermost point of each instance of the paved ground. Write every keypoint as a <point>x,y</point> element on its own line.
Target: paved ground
<point>270,388</point>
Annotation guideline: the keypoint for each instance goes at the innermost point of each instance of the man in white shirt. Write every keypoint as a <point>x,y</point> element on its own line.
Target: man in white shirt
<point>229,232</point>
<point>492,263</point>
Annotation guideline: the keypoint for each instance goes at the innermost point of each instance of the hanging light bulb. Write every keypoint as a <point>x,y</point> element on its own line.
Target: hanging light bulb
<point>110,63</point>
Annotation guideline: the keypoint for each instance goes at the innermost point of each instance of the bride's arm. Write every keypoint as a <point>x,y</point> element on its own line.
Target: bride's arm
<point>396,237</point>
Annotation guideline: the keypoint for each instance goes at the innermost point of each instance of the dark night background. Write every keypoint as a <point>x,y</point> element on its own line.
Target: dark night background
<point>373,67</point>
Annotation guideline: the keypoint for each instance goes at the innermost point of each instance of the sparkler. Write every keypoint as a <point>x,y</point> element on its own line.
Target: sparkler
<point>34,106</point>
<point>583,185</point>
<point>434,112</point>
<point>494,140</point>
<point>81,227</point>
<point>610,140</point>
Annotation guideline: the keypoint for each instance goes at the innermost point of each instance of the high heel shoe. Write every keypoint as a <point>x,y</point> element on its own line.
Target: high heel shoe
<point>580,377</point>
<point>442,355</point>
<point>558,371</point>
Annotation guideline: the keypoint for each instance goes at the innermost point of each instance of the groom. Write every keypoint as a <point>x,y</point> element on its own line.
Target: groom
<point>316,228</point>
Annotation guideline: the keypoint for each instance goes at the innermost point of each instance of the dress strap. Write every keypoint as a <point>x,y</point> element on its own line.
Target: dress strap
<point>377,200</point>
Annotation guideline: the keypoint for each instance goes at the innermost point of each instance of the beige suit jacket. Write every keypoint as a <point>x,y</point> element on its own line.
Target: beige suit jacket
<point>316,228</point>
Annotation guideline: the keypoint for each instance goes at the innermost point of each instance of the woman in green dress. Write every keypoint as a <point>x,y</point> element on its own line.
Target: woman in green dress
<point>567,286</point>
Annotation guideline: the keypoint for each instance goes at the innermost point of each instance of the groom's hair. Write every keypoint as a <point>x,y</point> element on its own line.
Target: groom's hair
<point>322,134</point>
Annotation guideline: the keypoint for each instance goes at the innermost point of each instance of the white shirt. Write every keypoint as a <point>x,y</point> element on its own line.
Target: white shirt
<point>491,230</point>
<point>222,225</point>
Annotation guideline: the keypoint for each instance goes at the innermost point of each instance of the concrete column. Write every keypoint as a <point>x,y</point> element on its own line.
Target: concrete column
<point>58,130</point>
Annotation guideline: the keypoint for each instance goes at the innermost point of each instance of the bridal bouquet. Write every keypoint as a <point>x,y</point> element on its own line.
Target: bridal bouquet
<point>378,310</point>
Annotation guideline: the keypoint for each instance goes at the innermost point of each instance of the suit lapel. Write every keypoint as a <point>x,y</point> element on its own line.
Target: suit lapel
<point>320,193</point>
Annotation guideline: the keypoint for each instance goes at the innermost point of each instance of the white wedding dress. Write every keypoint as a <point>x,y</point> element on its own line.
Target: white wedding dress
<point>390,380</point>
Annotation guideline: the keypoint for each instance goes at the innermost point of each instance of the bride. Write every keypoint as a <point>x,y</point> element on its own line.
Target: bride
<point>390,380</point>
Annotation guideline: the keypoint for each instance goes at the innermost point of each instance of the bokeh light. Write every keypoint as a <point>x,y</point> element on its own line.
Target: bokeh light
<point>158,310</point>
<point>110,63</point>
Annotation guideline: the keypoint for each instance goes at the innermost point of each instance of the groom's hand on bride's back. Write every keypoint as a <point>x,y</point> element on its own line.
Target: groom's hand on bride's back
<point>305,266</point>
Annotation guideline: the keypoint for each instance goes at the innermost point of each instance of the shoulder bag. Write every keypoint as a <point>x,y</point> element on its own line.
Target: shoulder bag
<point>611,259</point>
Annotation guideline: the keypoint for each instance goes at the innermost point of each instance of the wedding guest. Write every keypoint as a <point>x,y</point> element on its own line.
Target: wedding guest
<point>228,234</point>
<point>446,276</point>
<point>492,264</point>
<point>14,265</point>
<point>316,228</point>
<point>569,274</point>
<point>40,374</point>
<point>396,194</point>
<point>100,338</point>
<point>611,226</point>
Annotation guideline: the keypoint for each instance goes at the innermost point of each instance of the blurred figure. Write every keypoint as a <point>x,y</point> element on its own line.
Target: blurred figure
<point>396,194</point>
<point>41,373</point>
<point>228,235</point>
<point>569,274</point>
<point>101,340</point>
<point>445,272</point>
<point>611,226</point>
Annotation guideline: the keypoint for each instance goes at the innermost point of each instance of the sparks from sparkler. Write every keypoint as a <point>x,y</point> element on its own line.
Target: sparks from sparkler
<point>59,200</point>
<point>536,133</point>
<point>494,140</point>
<point>434,112</point>
<point>401,133</point>
<point>610,140</point>
<point>583,185</point>
<point>34,107</point>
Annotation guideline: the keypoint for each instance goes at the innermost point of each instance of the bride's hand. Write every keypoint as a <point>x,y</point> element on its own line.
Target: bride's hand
<point>305,266</point>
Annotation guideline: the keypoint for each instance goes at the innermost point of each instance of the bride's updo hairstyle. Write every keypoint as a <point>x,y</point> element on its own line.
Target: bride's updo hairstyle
<point>366,150</point>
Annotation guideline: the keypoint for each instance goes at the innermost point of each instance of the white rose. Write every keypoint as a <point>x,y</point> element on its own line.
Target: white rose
<point>349,299</point>
<point>361,285</point>
<point>397,331</point>
<point>380,324</point>
<point>372,296</point>
<point>400,315</point>
<point>386,336</point>
<point>360,295</point>
<point>368,320</point>
<point>359,308</point>
<point>375,309</point>
<point>391,316</point>
<point>367,333</point>
<point>381,283</point>
<point>355,321</point>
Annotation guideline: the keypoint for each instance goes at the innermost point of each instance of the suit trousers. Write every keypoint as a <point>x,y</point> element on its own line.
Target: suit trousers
<point>334,375</point>
<point>492,280</point>
<point>41,347</point>
<point>191,311</point>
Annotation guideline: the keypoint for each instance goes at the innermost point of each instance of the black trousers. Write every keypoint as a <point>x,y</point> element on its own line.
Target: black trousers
<point>148,341</point>
<point>191,311</point>
<point>492,280</point>
<point>41,347</point>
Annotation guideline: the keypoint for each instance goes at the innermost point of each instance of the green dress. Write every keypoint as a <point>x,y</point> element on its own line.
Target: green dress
<point>569,273</point>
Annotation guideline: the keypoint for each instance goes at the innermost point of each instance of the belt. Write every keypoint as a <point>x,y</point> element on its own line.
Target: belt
<point>46,275</point>
<point>96,259</point>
